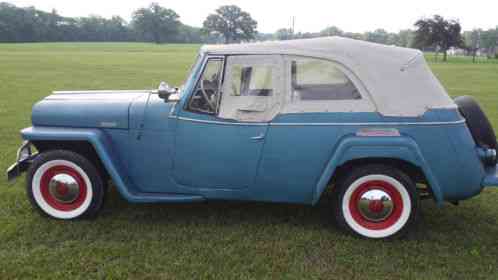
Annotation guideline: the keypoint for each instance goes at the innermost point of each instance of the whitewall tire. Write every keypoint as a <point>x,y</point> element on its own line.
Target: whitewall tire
<point>376,201</point>
<point>64,185</point>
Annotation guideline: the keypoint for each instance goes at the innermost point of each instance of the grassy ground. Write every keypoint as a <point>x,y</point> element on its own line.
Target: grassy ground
<point>462,59</point>
<point>216,240</point>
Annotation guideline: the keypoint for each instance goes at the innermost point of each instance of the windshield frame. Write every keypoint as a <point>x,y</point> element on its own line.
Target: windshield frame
<point>192,71</point>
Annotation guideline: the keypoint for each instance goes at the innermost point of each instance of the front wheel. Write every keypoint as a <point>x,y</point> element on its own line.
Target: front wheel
<point>64,185</point>
<point>376,201</point>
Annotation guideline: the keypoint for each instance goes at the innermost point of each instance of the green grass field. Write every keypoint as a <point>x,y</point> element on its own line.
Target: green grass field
<point>431,57</point>
<point>216,240</point>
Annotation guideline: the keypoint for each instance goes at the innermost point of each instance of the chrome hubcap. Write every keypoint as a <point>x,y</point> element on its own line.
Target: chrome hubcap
<point>375,205</point>
<point>64,188</point>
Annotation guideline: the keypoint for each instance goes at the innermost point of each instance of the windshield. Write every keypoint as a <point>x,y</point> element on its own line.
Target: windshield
<point>198,60</point>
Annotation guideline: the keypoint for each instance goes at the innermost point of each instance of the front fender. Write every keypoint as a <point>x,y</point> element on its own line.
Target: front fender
<point>357,147</point>
<point>109,157</point>
<point>100,142</point>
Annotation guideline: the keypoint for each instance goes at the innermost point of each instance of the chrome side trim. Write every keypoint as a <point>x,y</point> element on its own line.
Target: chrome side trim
<point>218,122</point>
<point>378,132</point>
<point>101,91</point>
<point>323,124</point>
<point>368,123</point>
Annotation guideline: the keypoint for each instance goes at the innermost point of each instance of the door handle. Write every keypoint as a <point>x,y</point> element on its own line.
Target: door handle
<point>259,137</point>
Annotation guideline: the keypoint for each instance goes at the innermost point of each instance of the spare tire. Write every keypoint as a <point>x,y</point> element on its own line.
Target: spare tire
<point>477,122</point>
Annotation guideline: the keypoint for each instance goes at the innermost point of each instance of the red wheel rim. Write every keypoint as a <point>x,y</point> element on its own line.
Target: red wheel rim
<point>376,185</point>
<point>51,200</point>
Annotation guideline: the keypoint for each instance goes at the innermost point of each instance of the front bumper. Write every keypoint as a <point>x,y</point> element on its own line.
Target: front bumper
<point>24,159</point>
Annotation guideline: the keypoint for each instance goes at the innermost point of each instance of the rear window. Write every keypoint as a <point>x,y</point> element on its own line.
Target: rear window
<point>316,79</point>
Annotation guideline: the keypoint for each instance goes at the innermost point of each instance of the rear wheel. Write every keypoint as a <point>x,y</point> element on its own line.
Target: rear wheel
<point>64,185</point>
<point>376,201</point>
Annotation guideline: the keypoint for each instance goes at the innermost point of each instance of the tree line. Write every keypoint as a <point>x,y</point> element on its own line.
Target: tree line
<point>403,38</point>
<point>430,34</point>
<point>226,24</point>
<point>150,24</point>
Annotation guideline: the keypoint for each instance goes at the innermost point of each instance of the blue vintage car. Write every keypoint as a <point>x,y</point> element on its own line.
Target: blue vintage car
<point>274,121</point>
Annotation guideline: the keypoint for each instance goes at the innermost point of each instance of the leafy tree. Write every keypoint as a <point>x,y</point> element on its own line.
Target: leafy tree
<point>472,41</point>
<point>9,20</point>
<point>117,30</point>
<point>356,36</point>
<point>232,23</point>
<point>489,40</point>
<point>438,32</point>
<point>156,23</point>
<point>90,28</point>
<point>228,24</point>
<point>190,34</point>
<point>68,29</point>
<point>305,35</point>
<point>31,25</point>
<point>405,38</point>
<point>378,36</point>
<point>332,31</point>
<point>19,24</point>
<point>393,39</point>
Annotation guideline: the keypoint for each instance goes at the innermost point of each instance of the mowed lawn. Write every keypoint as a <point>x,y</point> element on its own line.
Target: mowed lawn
<point>216,240</point>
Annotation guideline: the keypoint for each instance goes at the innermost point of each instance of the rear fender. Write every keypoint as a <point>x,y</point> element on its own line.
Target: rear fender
<point>357,147</point>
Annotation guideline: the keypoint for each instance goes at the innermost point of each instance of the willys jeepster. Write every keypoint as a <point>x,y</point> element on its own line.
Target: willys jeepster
<point>272,121</point>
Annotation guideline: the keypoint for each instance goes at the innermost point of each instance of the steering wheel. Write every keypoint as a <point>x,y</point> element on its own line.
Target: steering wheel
<point>205,95</point>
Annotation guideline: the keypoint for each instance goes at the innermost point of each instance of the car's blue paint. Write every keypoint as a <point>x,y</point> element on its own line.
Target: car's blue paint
<point>293,153</point>
<point>160,152</point>
<point>152,133</point>
<point>91,110</point>
<point>203,156</point>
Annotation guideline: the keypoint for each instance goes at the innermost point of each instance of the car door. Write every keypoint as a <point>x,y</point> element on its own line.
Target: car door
<point>222,126</point>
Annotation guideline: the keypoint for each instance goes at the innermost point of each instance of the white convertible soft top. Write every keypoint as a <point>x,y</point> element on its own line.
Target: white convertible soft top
<point>398,80</point>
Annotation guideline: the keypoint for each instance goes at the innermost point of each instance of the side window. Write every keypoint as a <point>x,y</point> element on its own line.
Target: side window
<point>252,80</point>
<point>316,79</point>
<point>252,88</point>
<point>207,91</point>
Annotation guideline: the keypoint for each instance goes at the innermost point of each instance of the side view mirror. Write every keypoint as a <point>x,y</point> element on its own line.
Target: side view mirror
<point>164,91</point>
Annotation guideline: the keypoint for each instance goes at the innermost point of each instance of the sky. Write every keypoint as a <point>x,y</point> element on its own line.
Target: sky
<point>310,15</point>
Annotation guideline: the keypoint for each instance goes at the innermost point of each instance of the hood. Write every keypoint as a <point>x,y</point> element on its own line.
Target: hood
<point>104,109</point>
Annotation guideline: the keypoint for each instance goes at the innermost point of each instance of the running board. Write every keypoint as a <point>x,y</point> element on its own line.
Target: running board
<point>164,198</point>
